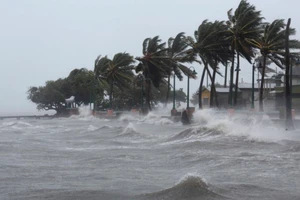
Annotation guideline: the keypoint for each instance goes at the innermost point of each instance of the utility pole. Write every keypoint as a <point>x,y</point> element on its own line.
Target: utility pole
<point>252,103</point>
<point>288,121</point>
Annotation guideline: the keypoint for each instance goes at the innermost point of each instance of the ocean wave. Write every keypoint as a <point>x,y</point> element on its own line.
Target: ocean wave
<point>18,124</point>
<point>244,126</point>
<point>163,121</point>
<point>92,128</point>
<point>129,131</point>
<point>195,132</point>
<point>128,118</point>
<point>63,194</point>
<point>189,187</point>
<point>152,118</point>
<point>108,127</point>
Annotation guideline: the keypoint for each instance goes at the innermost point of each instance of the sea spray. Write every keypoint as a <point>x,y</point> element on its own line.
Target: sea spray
<point>193,176</point>
<point>92,128</point>
<point>129,129</point>
<point>254,127</point>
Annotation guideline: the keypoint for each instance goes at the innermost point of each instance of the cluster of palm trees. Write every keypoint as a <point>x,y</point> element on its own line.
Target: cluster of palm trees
<point>214,44</point>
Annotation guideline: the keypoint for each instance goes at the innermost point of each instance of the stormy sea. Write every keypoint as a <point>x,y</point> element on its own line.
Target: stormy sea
<point>149,157</point>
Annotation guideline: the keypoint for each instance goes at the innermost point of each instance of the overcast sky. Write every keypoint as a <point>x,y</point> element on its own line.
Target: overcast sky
<point>44,40</point>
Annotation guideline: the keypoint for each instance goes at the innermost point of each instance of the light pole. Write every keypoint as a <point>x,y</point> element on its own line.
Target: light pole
<point>252,102</point>
<point>291,82</point>
<point>188,87</point>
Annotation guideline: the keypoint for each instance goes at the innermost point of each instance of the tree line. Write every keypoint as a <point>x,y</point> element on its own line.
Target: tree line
<point>145,79</point>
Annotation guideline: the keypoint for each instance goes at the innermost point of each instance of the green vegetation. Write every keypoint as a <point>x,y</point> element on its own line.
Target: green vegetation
<point>144,80</point>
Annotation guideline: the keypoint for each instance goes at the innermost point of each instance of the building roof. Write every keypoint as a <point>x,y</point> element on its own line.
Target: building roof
<point>222,89</point>
<point>248,85</point>
<point>256,85</point>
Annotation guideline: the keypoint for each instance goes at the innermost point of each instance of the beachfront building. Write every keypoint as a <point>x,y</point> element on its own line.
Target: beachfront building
<point>222,95</point>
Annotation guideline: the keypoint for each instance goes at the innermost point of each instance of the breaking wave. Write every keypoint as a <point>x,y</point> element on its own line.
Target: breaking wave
<point>129,131</point>
<point>152,118</point>
<point>195,132</point>
<point>189,187</point>
<point>18,124</point>
<point>257,128</point>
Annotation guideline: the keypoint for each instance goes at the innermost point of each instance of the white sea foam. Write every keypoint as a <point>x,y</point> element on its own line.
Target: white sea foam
<point>257,127</point>
<point>163,121</point>
<point>192,175</point>
<point>129,128</point>
<point>153,118</point>
<point>85,111</point>
<point>128,117</point>
<point>92,128</point>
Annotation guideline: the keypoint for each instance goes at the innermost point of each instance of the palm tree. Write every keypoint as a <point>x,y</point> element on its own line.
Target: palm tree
<point>153,64</point>
<point>178,55</point>
<point>271,45</point>
<point>244,25</point>
<point>212,47</point>
<point>117,71</point>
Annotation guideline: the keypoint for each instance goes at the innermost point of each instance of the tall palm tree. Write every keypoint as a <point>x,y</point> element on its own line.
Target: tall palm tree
<point>153,64</point>
<point>178,55</point>
<point>212,47</point>
<point>117,71</point>
<point>271,45</point>
<point>243,25</point>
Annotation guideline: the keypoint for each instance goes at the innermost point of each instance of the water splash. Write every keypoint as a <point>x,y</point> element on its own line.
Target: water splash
<point>254,127</point>
<point>92,128</point>
<point>129,129</point>
<point>193,176</point>
<point>154,118</point>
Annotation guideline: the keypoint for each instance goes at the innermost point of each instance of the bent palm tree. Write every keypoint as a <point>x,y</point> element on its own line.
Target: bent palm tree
<point>117,71</point>
<point>178,55</point>
<point>153,64</point>
<point>212,47</point>
<point>244,25</point>
<point>272,45</point>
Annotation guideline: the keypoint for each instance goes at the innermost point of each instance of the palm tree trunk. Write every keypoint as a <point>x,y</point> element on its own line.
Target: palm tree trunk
<point>261,92</point>
<point>231,81</point>
<point>168,91</point>
<point>289,120</point>
<point>110,94</point>
<point>213,93</point>
<point>237,79</point>
<point>201,86</point>
<point>225,80</point>
<point>148,86</point>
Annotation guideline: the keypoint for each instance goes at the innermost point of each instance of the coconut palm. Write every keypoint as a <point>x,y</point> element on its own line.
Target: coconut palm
<point>116,72</point>
<point>243,25</point>
<point>153,64</point>
<point>212,47</point>
<point>271,45</point>
<point>178,55</point>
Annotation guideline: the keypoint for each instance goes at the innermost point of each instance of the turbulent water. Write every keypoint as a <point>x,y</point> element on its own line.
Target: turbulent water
<point>150,157</point>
